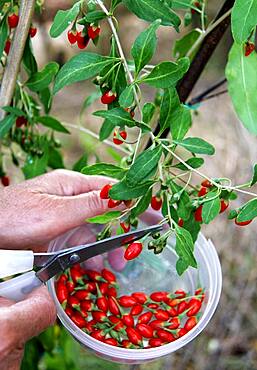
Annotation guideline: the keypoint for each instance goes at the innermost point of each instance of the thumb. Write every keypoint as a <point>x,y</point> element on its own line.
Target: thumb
<point>74,210</point>
<point>30,317</point>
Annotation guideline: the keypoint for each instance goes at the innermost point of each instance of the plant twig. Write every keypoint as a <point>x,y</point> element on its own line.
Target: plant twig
<point>14,58</point>
<point>202,95</point>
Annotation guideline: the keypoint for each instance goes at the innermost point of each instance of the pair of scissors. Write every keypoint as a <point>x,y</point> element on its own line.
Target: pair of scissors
<point>37,268</point>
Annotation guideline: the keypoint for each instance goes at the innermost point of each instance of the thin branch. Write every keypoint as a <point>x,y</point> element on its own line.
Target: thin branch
<point>219,186</point>
<point>94,135</point>
<point>202,95</point>
<point>16,52</point>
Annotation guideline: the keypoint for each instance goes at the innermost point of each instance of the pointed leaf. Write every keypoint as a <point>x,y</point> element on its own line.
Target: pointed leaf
<point>105,218</point>
<point>144,165</point>
<point>242,86</point>
<point>144,46</point>
<point>211,208</point>
<point>122,191</point>
<point>40,80</point>
<point>167,74</point>
<point>117,116</point>
<point>126,98</point>
<point>6,124</point>
<point>248,212</point>
<point>63,19</point>
<point>150,10</point>
<point>243,19</point>
<point>79,68</point>
<point>52,123</point>
<point>104,169</point>
<point>196,145</point>
<point>185,250</point>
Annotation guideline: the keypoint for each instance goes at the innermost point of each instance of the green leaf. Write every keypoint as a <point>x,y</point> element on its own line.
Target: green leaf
<point>81,163</point>
<point>35,165</point>
<point>95,16</point>
<point>63,19</point>
<point>181,122</point>
<point>6,124</point>
<point>185,250</point>
<point>211,208</point>
<point>122,191</point>
<point>248,212</point>
<point>242,86</point>
<point>28,59</point>
<point>144,46</point>
<point>126,98</point>
<point>184,206</point>
<point>167,74</point>
<point>181,4</point>
<point>55,159</point>
<point>81,67</point>
<point>46,98</point>
<point>105,218</point>
<point>170,103</point>
<point>106,129</point>
<point>192,226</point>
<point>114,4</point>
<point>105,169</point>
<point>3,35</point>
<point>254,179</point>
<point>40,80</point>
<point>148,112</point>
<point>14,110</point>
<point>142,205</point>
<point>196,145</point>
<point>243,19</point>
<point>90,100</point>
<point>144,166</point>
<point>193,162</point>
<point>52,123</point>
<point>183,45</point>
<point>117,116</point>
<point>151,10</point>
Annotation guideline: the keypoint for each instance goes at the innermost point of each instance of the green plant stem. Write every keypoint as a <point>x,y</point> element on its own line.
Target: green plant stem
<point>219,186</point>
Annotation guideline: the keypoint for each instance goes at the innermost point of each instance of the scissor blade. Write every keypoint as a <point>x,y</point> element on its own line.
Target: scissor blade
<point>65,259</point>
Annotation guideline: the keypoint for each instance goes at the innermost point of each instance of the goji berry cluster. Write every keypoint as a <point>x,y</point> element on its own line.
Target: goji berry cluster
<point>13,20</point>
<point>112,203</point>
<point>82,38</point>
<point>138,320</point>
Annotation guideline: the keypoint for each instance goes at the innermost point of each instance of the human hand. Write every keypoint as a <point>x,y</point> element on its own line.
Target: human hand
<point>36,211</point>
<point>20,322</point>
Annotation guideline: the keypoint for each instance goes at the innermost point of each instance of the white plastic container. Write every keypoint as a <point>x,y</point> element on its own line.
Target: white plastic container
<point>150,273</point>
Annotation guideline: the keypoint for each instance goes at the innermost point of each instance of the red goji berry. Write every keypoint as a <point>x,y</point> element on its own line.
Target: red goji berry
<point>136,310</point>
<point>108,97</point>
<point>133,251</point>
<point>159,296</point>
<point>87,306</point>
<point>99,316</point>
<point>249,48</point>
<point>111,342</point>
<point>104,194</point>
<point>182,307</point>
<point>156,203</point>
<point>7,46</point>
<point>99,335</point>
<point>122,134</point>
<point>174,323</point>
<point>155,342</point>
<point>69,311</point>
<point>127,301</point>
<point>134,336</point>
<point>108,275</point>
<point>157,324</point>
<point>180,293</point>
<point>73,302</point>
<point>190,323</point>
<point>202,192</point>
<point>161,315</point>
<point>81,295</point>
<point>113,306</point>
<point>62,293</point>
<point>125,226</point>
<point>181,222</point>
<point>113,203</point>
<point>194,306</point>
<point>140,297</point>
<point>102,304</point>
<point>145,330</point>
<point>206,184</point>
<point>223,205</point>
<point>78,319</point>
<point>145,318</point>
<point>128,320</point>
<point>111,292</point>
<point>13,20</point>
<point>32,31</point>
<point>165,336</point>
<point>198,214</point>
<point>153,306</point>
<point>243,223</point>
<point>93,31</point>
<point>181,332</point>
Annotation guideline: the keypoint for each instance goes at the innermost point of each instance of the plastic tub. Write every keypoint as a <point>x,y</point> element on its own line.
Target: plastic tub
<point>149,273</point>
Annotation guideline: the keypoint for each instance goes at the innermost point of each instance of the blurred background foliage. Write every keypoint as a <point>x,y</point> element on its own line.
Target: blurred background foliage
<point>229,341</point>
